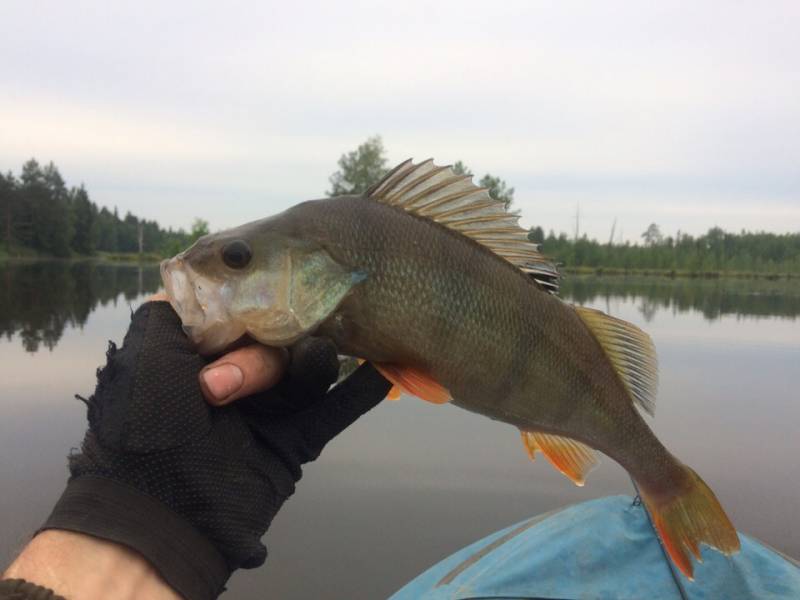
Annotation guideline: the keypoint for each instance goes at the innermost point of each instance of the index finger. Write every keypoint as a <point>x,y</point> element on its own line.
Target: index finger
<point>242,372</point>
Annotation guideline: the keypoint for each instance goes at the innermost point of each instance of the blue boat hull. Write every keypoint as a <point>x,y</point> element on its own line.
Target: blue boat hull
<point>600,549</point>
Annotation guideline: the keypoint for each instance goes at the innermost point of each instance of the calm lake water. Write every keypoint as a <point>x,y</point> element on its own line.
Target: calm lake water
<point>411,483</point>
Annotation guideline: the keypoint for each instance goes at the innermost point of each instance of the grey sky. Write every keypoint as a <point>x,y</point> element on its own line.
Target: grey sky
<point>682,113</point>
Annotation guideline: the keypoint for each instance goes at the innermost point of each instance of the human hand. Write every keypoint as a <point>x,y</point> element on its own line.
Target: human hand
<point>242,371</point>
<point>193,487</point>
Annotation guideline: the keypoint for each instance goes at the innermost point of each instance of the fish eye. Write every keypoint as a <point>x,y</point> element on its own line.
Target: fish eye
<point>237,254</point>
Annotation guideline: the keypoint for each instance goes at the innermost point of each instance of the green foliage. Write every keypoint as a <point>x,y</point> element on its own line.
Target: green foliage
<point>498,189</point>
<point>40,216</point>
<point>199,229</point>
<point>652,235</point>
<point>45,219</point>
<point>459,168</point>
<point>536,235</point>
<point>10,213</point>
<point>359,169</point>
<point>84,218</point>
<point>174,245</point>
<point>106,228</point>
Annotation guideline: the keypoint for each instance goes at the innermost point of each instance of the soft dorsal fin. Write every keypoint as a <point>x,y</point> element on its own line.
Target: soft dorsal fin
<point>439,194</point>
<point>631,352</point>
<point>572,458</point>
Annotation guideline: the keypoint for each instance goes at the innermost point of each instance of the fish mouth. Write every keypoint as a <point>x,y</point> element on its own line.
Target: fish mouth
<point>201,305</point>
<point>175,275</point>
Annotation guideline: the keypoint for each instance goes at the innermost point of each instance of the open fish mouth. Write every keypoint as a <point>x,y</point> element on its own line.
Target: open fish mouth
<point>201,305</point>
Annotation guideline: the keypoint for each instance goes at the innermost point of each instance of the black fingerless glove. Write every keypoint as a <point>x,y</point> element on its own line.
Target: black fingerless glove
<point>19,589</point>
<point>191,487</point>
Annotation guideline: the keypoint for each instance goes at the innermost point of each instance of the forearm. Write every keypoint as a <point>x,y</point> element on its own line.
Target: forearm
<point>82,567</point>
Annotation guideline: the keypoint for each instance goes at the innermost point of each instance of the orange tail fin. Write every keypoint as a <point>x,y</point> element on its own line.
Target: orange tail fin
<point>689,518</point>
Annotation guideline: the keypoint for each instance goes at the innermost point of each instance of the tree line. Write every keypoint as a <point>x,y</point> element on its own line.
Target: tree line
<point>715,251</point>
<point>39,214</point>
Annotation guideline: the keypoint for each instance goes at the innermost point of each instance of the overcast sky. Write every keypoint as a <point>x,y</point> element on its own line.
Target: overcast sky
<point>682,113</point>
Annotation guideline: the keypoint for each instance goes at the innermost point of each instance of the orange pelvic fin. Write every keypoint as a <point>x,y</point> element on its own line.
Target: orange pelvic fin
<point>415,382</point>
<point>572,458</point>
<point>689,518</point>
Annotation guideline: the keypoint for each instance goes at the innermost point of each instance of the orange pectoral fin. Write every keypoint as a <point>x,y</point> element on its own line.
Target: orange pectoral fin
<point>572,458</point>
<point>415,382</point>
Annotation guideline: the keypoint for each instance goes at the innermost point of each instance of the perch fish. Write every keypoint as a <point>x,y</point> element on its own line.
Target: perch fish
<point>431,280</point>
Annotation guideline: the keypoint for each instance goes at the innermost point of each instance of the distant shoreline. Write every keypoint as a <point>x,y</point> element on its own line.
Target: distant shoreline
<point>115,258</point>
<point>132,258</point>
<point>675,273</point>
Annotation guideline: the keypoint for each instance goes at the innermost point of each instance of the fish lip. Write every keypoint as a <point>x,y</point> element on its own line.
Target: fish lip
<point>166,281</point>
<point>181,293</point>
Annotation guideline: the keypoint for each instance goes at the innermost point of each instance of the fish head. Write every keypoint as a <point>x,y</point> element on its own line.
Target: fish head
<point>256,280</point>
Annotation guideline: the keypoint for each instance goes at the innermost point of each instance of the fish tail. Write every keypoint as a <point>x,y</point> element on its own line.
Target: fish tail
<point>687,517</point>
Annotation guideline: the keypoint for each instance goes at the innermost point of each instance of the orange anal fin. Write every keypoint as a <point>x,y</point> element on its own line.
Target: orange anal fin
<point>415,382</point>
<point>572,458</point>
<point>689,518</point>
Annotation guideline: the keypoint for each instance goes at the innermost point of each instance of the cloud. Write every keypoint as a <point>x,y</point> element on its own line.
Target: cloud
<point>234,112</point>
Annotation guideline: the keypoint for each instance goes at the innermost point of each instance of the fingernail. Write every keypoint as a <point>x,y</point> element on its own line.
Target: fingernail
<point>222,381</point>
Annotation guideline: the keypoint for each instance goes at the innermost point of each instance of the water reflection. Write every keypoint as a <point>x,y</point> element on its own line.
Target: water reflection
<point>40,299</point>
<point>713,298</point>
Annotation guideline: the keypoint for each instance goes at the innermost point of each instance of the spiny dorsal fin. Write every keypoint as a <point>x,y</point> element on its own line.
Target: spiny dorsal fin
<point>439,194</point>
<point>572,458</point>
<point>631,352</point>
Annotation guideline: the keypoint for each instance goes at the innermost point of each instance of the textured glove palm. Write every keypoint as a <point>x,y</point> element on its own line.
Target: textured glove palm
<point>225,470</point>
